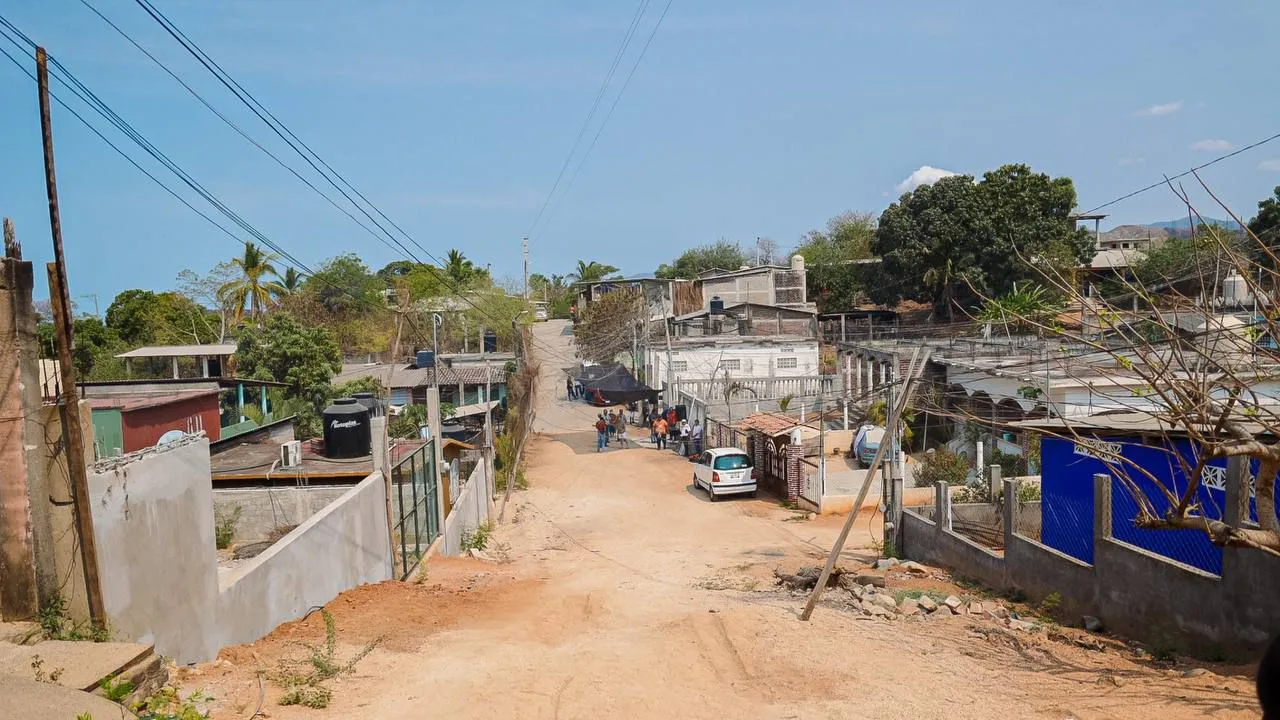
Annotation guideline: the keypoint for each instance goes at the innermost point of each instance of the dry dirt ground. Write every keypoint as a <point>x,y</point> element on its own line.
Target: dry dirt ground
<point>623,593</point>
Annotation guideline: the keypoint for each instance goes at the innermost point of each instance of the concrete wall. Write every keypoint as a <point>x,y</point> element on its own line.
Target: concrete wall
<point>1135,592</point>
<point>263,510</point>
<point>469,510</point>
<point>20,398</point>
<point>754,360</point>
<point>153,520</point>
<point>345,545</point>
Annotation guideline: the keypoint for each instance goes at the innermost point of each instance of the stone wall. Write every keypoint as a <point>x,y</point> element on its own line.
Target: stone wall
<point>265,512</point>
<point>1135,593</point>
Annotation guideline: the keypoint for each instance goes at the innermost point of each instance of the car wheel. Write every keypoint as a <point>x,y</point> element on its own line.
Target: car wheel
<point>752,494</point>
<point>711,496</point>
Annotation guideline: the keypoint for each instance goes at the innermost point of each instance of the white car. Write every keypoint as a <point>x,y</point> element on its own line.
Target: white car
<point>724,471</point>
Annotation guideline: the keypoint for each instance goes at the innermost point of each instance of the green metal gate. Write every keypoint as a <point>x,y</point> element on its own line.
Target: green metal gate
<point>414,482</point>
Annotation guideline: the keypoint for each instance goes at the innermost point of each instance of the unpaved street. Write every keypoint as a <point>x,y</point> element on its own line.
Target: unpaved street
<point>628,595</point>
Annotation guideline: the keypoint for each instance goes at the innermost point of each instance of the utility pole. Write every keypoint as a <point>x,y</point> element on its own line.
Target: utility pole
<point>525,249</point>
<point>435,350</point>
<point>822,439</point>
<point>72,431</point>
<point>666,328</point>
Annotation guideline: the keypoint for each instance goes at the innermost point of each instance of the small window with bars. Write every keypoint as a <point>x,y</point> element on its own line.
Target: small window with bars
<point>679,365</point>
<point>734,364</point>
<point>787,363</point>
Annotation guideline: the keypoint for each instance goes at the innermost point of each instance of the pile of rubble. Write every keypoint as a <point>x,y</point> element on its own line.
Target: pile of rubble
<point>865,593</point>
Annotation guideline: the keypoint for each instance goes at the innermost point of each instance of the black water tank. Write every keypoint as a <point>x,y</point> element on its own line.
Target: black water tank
<point>426,358</point>
<point>490,341</point>
<point>369,402</point>
<point>346,429</point>
<point>717,306</point>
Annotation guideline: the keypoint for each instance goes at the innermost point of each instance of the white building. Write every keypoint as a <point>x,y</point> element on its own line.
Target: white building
<point>701,358</point>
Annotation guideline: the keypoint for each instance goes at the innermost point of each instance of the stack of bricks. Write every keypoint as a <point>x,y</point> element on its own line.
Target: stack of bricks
<point>795,471</point>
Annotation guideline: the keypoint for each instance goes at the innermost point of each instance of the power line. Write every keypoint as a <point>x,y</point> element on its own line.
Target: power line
<point>595,104</point>
<point>653,33</point>
<point>291,139</point>
<point>1165,181</point>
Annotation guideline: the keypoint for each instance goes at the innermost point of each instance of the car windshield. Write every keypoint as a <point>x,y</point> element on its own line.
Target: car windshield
<point>732,462</point>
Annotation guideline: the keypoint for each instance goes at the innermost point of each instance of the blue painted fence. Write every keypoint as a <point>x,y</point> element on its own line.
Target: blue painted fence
<point>1067,497</point>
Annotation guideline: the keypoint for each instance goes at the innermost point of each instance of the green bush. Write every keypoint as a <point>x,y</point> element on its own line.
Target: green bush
<point>224,526</point>
<point>942,465</point>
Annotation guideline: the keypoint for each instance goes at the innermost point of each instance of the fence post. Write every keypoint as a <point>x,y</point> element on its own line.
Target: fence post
<point>941,506</point>
<point>1101,509</point>
<point>1237,491</point>
<point>993,480</point>
<point>1010,510</point>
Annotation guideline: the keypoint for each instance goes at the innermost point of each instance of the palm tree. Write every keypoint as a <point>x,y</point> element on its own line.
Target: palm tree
<point>592,271</point>
<point>459,268</point>
<point>292,280</point>
<point>255,287</point>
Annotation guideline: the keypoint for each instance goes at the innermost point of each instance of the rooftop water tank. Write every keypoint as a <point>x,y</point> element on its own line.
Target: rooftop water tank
<point>717,306</point>
<point>369,402</point>
<point>426,358</point>
<point>797,263</point>
<point>346,429</point>
<point>1235,290</point>
<point>490,341</point>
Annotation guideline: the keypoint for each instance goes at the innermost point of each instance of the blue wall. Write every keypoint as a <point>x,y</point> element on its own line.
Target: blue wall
<point>1067,495</point>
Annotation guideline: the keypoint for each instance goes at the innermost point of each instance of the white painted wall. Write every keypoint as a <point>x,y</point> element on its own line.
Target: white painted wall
<point>338,548</point>
<point>753,360</point>
<point>471,509</point>
<point>154,525</point>
<point>153,521</point>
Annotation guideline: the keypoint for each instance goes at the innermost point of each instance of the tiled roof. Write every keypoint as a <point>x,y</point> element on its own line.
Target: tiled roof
<point>767,423</point>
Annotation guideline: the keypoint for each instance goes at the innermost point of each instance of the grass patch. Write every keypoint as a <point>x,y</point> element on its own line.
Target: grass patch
<point>56,624</point>
<point>166,704</point>
<point>477,538</point>
<point>900,595</point>
<point>305,680</point>
<point>224,526</point>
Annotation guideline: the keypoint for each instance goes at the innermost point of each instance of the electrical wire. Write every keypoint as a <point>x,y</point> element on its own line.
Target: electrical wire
<point>626,83</point>
<point>595,104</point>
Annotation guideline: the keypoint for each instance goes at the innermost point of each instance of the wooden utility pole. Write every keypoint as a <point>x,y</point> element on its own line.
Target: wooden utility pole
<point>894,416</point>
<point>72,432</point>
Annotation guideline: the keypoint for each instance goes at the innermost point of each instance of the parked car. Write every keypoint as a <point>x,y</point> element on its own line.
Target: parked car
<point>867,442</point>
<point>724,471</point>
<point>540,313</point>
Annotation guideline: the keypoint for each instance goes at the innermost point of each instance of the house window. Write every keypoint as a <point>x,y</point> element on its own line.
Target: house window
<point>787,363</point>
<point>734,364</point>
<point>401,396</point>
<point>679,365</point>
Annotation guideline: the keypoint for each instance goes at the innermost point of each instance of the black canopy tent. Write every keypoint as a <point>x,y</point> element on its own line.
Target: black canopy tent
<point>606,385</point>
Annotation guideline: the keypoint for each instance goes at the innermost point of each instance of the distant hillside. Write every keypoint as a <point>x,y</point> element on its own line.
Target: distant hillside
<point>1182,225</point>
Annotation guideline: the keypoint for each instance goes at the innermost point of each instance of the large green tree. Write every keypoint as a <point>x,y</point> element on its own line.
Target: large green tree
<point>1266,224</point>
<point>257,285</point>
<point>956,242</point>
<point>722,254</point>
<point>304,357</point>
<point>834,281</point>
<point>142,317</point>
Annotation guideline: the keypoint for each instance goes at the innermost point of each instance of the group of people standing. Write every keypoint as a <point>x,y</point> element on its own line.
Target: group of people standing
<point>611,427</point>
<point>666,429</point>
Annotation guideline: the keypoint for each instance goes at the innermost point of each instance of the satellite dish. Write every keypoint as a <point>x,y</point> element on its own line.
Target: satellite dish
<point>171,436</point>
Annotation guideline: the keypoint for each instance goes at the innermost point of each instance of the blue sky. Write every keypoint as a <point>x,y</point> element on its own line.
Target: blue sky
<point>745,119</point>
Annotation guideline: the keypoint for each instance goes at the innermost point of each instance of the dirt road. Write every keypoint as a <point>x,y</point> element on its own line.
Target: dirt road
<point>627,595</point>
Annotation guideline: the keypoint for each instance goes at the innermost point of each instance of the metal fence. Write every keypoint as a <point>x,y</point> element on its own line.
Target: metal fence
<point>416,503</point>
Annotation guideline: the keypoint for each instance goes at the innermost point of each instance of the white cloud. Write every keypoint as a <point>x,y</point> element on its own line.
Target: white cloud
<point>1269,165</point>
<point>1212,145</point>
<point>1126,161</point>
<point>1165,109</point>
<point>925,175</point>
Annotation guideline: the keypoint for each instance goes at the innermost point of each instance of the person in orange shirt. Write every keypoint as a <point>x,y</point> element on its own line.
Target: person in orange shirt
<point>660,429</point>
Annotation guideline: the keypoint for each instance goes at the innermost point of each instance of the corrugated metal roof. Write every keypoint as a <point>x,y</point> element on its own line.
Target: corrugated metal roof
<point>410,376</point>
<point>153,351</point>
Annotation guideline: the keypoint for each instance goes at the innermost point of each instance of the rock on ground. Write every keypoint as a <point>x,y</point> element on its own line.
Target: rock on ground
<point>927,603</point>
